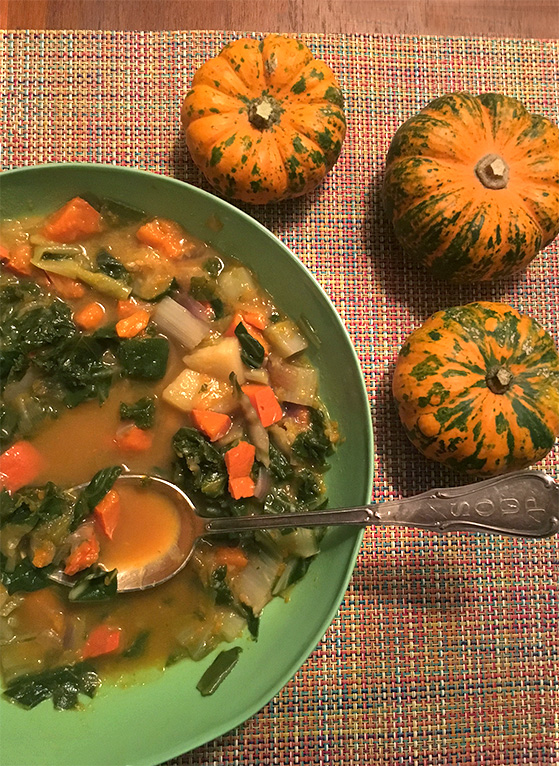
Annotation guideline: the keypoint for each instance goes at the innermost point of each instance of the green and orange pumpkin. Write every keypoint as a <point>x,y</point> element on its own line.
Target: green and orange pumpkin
<point>477,388</point>
<point>472,186</point>
<point>264,120</point>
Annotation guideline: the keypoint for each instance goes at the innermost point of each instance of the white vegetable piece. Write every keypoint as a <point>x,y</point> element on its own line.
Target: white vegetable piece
<point>285,338</point>
<point>218,360</point>
<point>197,390</point>
<point>175,320</point>
<point>235,284</point>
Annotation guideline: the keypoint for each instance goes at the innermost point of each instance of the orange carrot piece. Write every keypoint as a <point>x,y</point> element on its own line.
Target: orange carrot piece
<point>86,554</point>
<point>264,401</point>
<point>127,308</point>
<point>107,512</point>
<point>165,236</point>
<point>132,325</point>
<point>213,424</point>
<point>18,259</point>
<point>44,555</point>
<point>241,486</point>
<point>75,220</point>
<point>134,439</point>
<point>19,465</point>
<point>232,557</point>
<point>64,286</point>
<point>90,316</point>
<point>239,460</point>
<point>101,640</point>
<point>256,319</point>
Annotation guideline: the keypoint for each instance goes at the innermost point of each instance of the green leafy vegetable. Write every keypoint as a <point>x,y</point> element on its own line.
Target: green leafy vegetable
<point>280,467</point>
<point>63,685</point>
<point>144,357</point>
<point>252,352</point>
<point>202,289</point>
<point>142,413</point>
<point>24,577</point>
<point>224,597</point>
<point>94,492</point>
<point>218,671</point>
<point>204,464</point>
<point>138,646</point>
<point>107,264</point>
<point>94,584</point>
<point>214,267</point>
<point>313,445</point>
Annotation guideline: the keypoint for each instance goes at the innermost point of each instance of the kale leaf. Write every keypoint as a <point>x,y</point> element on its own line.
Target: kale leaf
<point>63,685</point>
<point>204,464</point>
<point>142,412</point>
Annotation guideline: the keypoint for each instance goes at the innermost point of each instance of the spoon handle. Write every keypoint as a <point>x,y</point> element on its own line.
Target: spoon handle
<point>523,504</point>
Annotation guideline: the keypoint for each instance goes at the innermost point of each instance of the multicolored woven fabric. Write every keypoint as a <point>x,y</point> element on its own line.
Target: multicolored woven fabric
<point>445,649</point>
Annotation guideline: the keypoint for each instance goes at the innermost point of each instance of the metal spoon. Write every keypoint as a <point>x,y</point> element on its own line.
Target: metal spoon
<point>522,504</point>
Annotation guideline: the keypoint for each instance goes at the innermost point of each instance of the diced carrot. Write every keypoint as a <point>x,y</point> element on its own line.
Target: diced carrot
<point>75,220</point>
<point>90,316</point>
<point>264,401</point>
<point>213,424</point>
<point>134,439</point>
<point>165,236</point>
<point>132,325</point>
<point>107,512</point>
<point>239,460</point>
<point>83,556</point>
<point>232,557</point>
<point>251,329</point>
<point>101,640</point>
<point>241,486</point>
<point>44,554</point>
<point>65,287</point>
<point>127,308</point>
<point>256,319</point>
<point>19,465</point>
<point>18,259</point>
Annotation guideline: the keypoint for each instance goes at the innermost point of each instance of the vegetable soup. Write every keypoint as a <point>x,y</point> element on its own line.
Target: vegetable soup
<point>128,345</point>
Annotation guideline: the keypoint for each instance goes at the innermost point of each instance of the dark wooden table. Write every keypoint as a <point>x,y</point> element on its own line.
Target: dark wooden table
<point>493,18</point>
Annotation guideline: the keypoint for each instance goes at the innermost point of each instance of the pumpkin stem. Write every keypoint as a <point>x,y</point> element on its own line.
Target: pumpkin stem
<point>499,379</point>
<point>493,171</point>
<point>264,112</point>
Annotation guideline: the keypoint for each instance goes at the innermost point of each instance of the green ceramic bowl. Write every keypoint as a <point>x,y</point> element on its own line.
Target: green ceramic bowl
<point>162,716</point>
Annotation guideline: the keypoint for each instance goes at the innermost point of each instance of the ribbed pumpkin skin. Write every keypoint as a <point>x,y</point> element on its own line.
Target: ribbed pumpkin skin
<point>292,154</point>
<point>444,400</point>
<point>443,215</point>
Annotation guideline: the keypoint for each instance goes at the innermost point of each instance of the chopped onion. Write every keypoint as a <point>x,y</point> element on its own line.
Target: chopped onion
<point>253,585</point>
<point>263,483</point>
<point>191,304</point>
<point>256,431</point>
<point>178,322</point>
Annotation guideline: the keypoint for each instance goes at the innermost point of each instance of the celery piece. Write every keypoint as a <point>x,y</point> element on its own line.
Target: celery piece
<point>69,266</point>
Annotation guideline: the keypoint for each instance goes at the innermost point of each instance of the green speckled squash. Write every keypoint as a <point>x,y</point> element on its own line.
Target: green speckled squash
<point>477,388</point>
<point>264,120</point>
<point>472,186</point>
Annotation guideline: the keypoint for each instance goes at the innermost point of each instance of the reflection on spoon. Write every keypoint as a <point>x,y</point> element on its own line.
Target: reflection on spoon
<point>160,527</point>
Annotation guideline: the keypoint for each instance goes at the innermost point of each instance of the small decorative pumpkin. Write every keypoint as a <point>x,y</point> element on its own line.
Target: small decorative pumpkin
<point>477,388</point>
<point>472,186</point>
<point>264,120</point>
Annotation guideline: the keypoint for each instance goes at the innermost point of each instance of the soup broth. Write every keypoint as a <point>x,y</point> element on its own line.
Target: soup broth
<point>128,345</point>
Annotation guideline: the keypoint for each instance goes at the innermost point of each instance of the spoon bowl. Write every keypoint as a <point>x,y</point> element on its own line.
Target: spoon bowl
<point>522,504</point>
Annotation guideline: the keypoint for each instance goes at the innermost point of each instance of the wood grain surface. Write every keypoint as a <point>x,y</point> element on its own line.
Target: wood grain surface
<point>492,18</point>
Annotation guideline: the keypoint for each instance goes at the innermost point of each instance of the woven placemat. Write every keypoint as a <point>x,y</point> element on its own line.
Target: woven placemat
<point>445,649</point>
